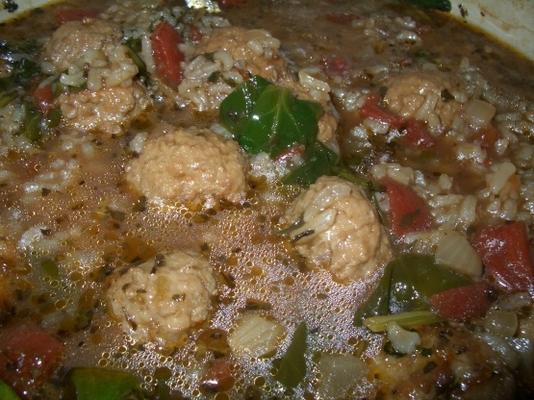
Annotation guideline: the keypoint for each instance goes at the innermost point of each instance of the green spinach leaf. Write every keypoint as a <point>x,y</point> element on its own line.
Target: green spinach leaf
<point>268,118</point>
<point>319,160</point>
<point>292,366</point>
<point>407,284</point>
<point>415,278</point>
<point>102,384</point>
<point>6,393</point>
<point>378,302</point>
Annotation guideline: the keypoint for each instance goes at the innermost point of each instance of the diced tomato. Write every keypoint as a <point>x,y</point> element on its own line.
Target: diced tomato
<point>504,251</point>
<point>219,376</point>
<point>417,135</point>
<point>462,303</point>
<point>167,57</point>
<point>408,211</point>
<point>371,109</point>
<point>422,29</point>
<point>74,14</point>
<point>194,34</point>
<point>488,136</point>
<point>336,65</point>
<point>44,98</point>
<point>231,3</point>
<point>341,19</point>
<point>28,356</point>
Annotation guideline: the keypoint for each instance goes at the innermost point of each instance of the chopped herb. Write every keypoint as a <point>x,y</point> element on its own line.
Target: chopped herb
<point>23,70</point>
<point>446,96</point>
<point>389,349</point>
<point>134,48</point>
<point>31,128</point>
<point>50,269</point>
<point>429,367</point>
<point>6,98</point>
<point>10,5</point>
<point>441,5</point>
<point>214,76</point>
<point>117,215</point>
<point>292,366</point>
<point>425,351</point>
<point>53,118</point>
<point>302,235</point>
<point>255,305</point>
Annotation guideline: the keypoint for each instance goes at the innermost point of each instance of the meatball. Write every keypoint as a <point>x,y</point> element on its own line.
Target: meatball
<point>337,227</point>
<point>163,297</point>
<point>189,165</point>
<point>255,49</point>
<point>420,96</point>
<point>108,110</point>
<point>112,98</point>
<point>77,40</point>
<point>232,54</point>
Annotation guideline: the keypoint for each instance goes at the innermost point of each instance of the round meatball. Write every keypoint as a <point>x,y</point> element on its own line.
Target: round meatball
<point>420,96</point>
<point>163,297</point>
<point>74,41</point>
<point>337,227</point>
<point>189,166</point>
<point>108,110</point>
<point>90,52</point>
<point>254,49</point>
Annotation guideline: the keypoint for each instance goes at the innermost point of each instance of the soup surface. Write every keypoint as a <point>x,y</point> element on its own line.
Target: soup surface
<point>301,199</point>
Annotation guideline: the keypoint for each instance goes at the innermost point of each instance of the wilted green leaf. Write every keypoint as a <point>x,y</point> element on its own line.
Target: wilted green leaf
<point>6,393</point>
<point>268,118</point>
<point>319,160</point>
<point>102,384</point>
<point>292,366</point>
<point>407,284</point>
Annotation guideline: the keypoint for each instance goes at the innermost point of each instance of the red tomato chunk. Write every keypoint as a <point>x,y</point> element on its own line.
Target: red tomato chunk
<point>167,56</point>
<point>462,303</point>
<point>505,253</point>
<point>28,356</point>
<point>408,212</point>
<point>417,135</point>
<point>44,98</point>
<point>371,109</point>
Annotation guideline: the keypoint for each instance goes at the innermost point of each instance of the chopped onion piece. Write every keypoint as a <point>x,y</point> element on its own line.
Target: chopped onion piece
<point>514,301</point>
<point>337,371</point>
<point>255,336</point>
<point>501,323</point>
<point>402,340</point>
<point>455,251</point>
<point>478,113</point>
<point>501,347</point>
